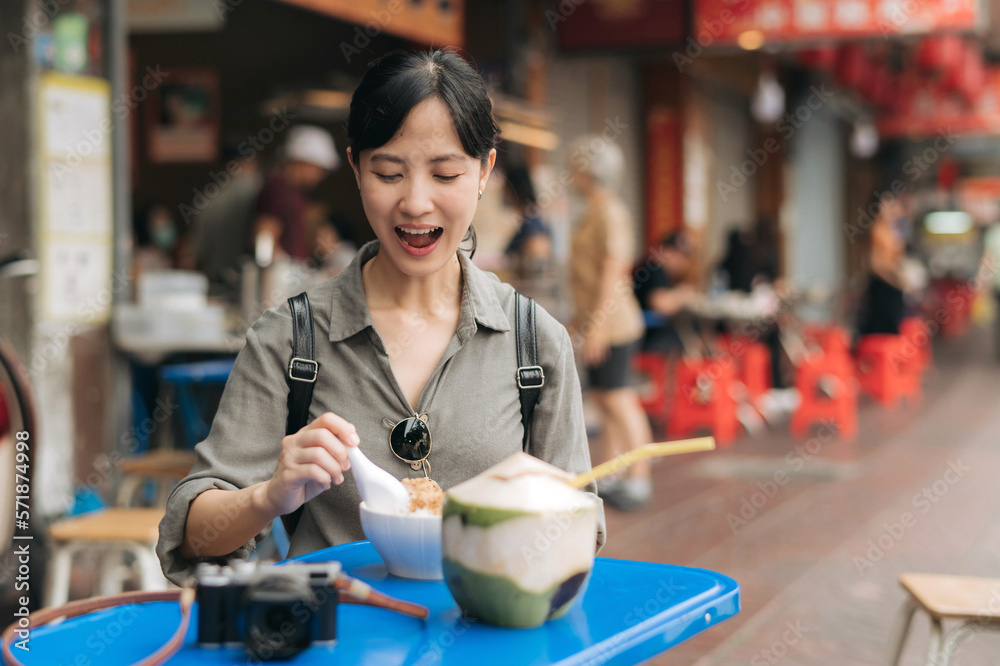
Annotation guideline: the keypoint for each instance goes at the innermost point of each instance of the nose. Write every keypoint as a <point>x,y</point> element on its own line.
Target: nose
<point>417,198</point>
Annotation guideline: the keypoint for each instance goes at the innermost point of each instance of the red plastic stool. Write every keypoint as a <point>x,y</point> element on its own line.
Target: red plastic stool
<point>833,340</point>
<point>827,392</point>
<point>654,367</point>
<point>918,336</point>
<point>753,363</point>
<point>889,369</point>
<point>701,398</point>
<point>756,370</point>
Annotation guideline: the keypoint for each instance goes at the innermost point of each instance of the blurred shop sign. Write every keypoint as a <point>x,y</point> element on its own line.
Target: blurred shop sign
<point>797,20</point>
<point>980,197</point>
<point>617,24</point>
<point>175,15</point>
<point>930,109</point>
<point>74,149</point>
<point>439,23</point>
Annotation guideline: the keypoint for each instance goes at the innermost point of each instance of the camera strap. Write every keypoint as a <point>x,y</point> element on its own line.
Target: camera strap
<point>349,591</point>
<point>77,608</point>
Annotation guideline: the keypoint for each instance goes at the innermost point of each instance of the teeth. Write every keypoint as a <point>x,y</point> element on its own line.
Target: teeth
<point>416,232</point>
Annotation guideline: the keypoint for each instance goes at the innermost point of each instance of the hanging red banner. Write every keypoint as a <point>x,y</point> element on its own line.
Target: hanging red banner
<point>664,177</point>
<point>929,109</point>
<point>723,21</point>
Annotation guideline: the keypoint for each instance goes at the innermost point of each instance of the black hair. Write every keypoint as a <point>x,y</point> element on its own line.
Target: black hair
<point>398,81</point>
<point>519,181</point>
<point>677,240</point>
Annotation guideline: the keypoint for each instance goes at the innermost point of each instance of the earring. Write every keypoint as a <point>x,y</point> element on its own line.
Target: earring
<point>480,194</point>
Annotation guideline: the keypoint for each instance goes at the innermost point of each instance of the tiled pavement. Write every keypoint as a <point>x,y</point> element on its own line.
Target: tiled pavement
<point>809,558</point>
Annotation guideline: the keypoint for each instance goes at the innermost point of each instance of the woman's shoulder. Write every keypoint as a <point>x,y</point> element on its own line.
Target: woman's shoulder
<point>549,331</point>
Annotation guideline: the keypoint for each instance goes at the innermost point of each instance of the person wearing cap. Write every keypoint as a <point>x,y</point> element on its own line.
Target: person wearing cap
<point>308,156</point>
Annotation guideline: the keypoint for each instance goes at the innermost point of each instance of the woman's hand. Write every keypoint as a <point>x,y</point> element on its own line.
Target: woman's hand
<point>310,461</point>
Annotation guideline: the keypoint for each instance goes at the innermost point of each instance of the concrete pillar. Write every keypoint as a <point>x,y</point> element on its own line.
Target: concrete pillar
<point>17,88</point>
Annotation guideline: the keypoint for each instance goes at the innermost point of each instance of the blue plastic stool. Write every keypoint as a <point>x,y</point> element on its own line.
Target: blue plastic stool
<point>184,377</point>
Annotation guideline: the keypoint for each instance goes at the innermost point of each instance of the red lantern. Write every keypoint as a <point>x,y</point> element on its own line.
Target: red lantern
<point>951,76</point>
<point>821,57</point>
<point>940,53</point>
<point>973,76</point>
<point>877,83</point>
<point>853,66</point>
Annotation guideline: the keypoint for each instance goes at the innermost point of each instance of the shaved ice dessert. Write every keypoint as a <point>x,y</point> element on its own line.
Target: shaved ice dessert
<point>426,496</point>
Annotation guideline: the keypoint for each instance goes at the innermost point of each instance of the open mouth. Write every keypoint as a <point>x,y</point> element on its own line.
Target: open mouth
<point>419,238</point>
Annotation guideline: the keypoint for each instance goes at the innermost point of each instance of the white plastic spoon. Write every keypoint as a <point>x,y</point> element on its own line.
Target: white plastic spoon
<point>379,489</point>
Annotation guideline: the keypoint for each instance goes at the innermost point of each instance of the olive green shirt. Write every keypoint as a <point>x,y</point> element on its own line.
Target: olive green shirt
<point>471,400</point>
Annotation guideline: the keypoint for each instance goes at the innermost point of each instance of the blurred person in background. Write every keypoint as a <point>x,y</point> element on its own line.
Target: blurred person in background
<point>607,316</point>
<point>666,291</point>
<point>223,226</point>
<point>530,248</point>
<point>882,309</point>
<point>334,245</point>
<point>991,267</point>
<point>753,261</point>
<point>282,216</point>
<point>158,242</point>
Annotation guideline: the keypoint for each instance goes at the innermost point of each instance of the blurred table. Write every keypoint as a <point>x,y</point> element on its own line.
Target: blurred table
<point>630,612</point>
<point>735,306</point>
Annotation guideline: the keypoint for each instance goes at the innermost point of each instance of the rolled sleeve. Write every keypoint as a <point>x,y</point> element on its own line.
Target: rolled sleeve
<point>558,431</point>
<point>244,442</point>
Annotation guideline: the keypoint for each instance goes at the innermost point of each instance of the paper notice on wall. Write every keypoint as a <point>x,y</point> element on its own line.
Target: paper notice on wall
<point>77,286</point>
<point>79,198</point>
<point>75,202</point>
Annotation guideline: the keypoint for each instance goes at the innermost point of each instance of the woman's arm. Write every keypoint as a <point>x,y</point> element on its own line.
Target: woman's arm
<point>614,277</point>
<point>558,432</point>
<point>240,513</point>
<point>310,462</point>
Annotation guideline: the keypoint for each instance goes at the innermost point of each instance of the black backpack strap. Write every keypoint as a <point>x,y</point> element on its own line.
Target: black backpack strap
<point>301,376</point>
<point>530,376</point>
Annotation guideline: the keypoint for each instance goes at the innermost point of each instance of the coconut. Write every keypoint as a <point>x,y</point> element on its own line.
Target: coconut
<point>518,542</point>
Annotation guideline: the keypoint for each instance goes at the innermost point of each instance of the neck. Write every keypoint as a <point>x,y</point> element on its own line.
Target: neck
<point>388,287</point>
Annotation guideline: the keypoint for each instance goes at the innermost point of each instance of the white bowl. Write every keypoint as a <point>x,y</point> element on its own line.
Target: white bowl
<point>410,544</point>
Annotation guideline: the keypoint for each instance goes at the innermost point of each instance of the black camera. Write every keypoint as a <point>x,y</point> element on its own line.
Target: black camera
<point>275,611</point>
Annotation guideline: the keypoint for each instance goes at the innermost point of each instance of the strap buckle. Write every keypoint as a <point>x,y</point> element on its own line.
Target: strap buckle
<point>530,377</point>
<point>298,369</point>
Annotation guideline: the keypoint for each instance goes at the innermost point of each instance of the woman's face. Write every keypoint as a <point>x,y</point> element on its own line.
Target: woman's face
<point>420,190</point>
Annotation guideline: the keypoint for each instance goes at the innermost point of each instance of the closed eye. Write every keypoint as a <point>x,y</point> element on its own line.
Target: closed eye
<point>448,179</point>
<point>388,177</point>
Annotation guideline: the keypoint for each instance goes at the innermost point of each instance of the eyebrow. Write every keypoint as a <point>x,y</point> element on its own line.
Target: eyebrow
<point>386,157</point>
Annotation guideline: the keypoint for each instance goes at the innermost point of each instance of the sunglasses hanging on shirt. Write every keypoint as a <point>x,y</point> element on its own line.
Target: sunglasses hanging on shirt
<point>410,441</point>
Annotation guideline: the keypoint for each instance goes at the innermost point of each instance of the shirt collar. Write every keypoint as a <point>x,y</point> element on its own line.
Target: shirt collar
<point>349,313</point>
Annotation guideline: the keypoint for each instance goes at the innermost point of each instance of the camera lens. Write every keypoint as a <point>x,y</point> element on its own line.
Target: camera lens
<point>279,617</point>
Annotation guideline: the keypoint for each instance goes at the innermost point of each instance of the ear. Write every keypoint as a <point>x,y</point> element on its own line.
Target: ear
<point>484,172</point>
<point>354,166</point>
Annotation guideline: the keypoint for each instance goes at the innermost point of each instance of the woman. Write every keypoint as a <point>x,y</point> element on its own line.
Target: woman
<point>411,329</point>
<point>883,307</point>
<point>608,321</point>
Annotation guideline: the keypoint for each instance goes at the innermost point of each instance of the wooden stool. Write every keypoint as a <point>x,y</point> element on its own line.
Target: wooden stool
<point>165,467</point>
<point>114,531</point>
<point>974,602</point>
